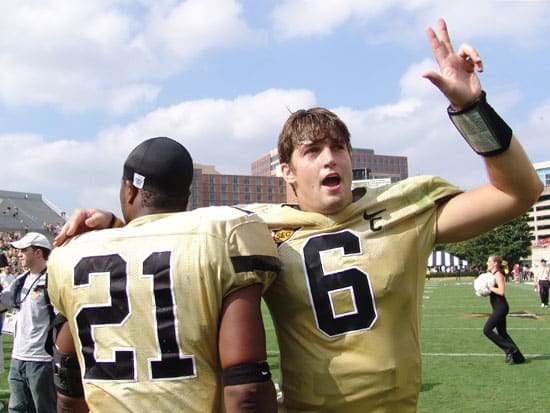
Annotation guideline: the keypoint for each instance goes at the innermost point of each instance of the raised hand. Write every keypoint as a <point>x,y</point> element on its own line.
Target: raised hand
<point>457,78</point>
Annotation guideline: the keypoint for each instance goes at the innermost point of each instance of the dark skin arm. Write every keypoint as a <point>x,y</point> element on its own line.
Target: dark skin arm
<point>242,340</point>
<point>65,404</point>
<point>83,220</point>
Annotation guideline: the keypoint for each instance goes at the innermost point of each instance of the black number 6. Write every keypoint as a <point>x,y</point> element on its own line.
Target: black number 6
<point>322,285</point>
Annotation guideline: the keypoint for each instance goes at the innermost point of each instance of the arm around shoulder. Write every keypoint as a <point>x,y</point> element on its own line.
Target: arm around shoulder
<point>69,396</point>
<point>247,382</point>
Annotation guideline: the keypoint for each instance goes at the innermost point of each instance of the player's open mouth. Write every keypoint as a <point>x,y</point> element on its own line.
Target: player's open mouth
<point>332,181</point>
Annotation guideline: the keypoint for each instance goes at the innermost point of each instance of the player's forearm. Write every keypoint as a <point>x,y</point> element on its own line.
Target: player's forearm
<point>509,169</point>
<point>251,397</point>
<point>513,174</point>
<point>71,405</point>
<point>512,189</point>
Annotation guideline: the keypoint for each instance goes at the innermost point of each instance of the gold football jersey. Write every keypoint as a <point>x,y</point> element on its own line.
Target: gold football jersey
<point>346,306</point>
<point>144,301</point>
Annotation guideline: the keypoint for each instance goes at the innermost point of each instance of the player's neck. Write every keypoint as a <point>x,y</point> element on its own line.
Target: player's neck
<point>38,269</point>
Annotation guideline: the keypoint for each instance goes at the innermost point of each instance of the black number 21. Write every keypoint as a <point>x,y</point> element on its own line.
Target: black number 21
<point>170,365</point>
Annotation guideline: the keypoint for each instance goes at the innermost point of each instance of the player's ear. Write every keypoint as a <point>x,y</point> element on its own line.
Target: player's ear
<point>288,173</point>
<point>128,192</point>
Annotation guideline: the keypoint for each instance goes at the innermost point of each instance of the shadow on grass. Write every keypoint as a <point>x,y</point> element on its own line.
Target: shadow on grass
<point>428,386</point>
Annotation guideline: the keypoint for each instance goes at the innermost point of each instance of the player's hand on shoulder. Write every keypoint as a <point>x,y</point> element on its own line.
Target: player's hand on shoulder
<point>83,220</point>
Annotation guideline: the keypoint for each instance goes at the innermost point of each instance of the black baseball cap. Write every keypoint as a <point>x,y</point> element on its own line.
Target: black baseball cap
<point>160,165</point>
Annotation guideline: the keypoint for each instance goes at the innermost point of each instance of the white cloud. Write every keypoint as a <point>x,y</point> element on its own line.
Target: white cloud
<point>217,131</point>
<point>232,133</point>
<point>227,133</point>
<point>189,28</point>
<point>114,55</point>
<point>80,55</point>
<point>127,97</point>
<point>403,21</point>
<point>300,18</point>
<point>534,133</point>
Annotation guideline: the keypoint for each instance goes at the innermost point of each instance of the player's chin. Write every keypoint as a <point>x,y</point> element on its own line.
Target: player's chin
<point>333,204</point>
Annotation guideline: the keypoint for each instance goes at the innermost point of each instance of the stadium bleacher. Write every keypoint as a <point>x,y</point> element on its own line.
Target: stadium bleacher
<point>25,211</point>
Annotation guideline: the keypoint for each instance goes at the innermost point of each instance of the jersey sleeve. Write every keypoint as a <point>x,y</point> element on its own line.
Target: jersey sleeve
<point>54,280</point>
<point>253,254</point>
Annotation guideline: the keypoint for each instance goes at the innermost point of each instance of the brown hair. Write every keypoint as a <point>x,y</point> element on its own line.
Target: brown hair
<point>45,251</point>
<point>315,124</point>
<point>497,259</point>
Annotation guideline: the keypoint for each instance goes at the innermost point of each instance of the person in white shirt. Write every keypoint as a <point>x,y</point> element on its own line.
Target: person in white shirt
<point>31,372</point>
<point>542,281</point>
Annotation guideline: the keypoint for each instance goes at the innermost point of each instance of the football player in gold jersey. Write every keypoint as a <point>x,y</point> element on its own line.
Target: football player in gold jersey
<point>165,312</point>
<point>346,305</point>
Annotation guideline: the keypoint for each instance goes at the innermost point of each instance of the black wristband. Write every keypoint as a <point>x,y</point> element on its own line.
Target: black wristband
<point>246,373</point>
<point>115,222</point>
<point>483,129</point>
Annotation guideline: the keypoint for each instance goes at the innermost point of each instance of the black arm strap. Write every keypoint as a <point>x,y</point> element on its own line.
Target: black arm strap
<point>67,377</point>
<point>246,373</point>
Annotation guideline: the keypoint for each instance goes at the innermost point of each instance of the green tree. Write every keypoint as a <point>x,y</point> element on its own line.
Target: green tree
<point>511,241</point>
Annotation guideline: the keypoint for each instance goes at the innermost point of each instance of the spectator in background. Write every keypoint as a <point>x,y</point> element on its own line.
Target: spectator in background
<point>3,255</point>
<point>516,273</point>
<point>527,273</point>
<point>31,372</point>
<point>497,320</point>
<point>542,281</point>
<point>6,277</point>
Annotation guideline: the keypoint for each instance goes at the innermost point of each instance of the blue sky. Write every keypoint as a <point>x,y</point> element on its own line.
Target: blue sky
<point>82,83</point>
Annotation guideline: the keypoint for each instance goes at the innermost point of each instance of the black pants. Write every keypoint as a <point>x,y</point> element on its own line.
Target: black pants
<point>543,291</point>
<point>497,320</point>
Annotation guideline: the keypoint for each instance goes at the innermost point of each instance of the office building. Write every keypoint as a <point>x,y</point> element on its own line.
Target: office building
<point>539,216</point>
<point>365,163</point>
<point>212,188</point>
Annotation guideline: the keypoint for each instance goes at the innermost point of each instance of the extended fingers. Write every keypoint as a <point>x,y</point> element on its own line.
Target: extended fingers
<point>440,43</point>
<point>443,32</point>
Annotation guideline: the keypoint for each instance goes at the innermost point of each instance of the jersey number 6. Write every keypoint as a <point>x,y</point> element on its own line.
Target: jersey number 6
<point>351,282</point>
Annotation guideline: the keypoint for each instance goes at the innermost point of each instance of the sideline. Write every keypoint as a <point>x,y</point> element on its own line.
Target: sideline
<point>530,356</point>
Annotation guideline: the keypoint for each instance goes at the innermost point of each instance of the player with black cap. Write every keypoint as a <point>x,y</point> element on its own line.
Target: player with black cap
<point>163,169</point>
<point>162,309</point>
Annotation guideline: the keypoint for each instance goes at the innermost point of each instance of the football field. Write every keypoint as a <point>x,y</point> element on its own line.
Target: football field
<point>462,370</point>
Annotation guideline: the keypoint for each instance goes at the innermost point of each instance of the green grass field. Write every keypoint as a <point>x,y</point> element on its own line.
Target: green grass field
<point>462,370</point>
<point>4,389</point>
